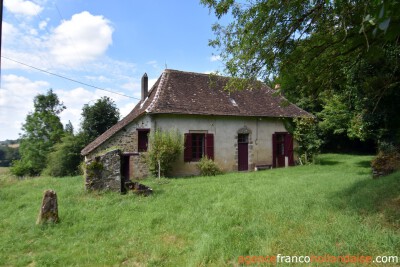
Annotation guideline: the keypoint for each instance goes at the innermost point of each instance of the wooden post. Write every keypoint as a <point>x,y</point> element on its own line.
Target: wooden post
<point>49,209</point>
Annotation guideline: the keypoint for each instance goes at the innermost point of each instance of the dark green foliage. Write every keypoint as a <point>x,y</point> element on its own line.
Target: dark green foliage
<point>99,117</point>
<point>8,154</point>
<point>165,148</point>
<point>42,130</point>
<point>306,134</point>
<point>69,128</point>
<point>208,167</point>
<point>337,59</point>
<point>66,157</point>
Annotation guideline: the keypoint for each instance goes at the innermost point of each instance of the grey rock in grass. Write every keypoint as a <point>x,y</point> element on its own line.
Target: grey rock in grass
<point>49,209</point>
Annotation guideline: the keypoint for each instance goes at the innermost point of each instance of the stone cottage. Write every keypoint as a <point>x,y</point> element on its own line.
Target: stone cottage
<point>240,130</point>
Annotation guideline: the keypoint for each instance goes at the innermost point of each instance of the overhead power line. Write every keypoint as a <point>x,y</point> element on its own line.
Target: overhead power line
<point>67,78</point>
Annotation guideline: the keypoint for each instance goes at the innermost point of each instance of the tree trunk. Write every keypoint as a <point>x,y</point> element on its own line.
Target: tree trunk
<point>159,169</point>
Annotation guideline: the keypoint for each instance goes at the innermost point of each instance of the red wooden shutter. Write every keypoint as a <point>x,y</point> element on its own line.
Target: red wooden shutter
<point>289,149</point>
<point>187,153</point>
<point>274,144</point>
<point>210,146</point>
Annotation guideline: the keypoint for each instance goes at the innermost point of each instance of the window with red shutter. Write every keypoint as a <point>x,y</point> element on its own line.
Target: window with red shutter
<point>198,145</point>
<point>289,149</point>
<point>210,146</point>
<point>187,152</point>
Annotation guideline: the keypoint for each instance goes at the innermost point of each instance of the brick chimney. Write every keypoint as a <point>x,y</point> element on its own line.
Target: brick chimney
<point>145,86</point>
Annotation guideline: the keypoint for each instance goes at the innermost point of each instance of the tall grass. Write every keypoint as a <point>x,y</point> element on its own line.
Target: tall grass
<point>333,208</point>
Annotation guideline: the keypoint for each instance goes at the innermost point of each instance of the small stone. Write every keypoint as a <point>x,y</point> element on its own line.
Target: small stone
<point>49,209</point>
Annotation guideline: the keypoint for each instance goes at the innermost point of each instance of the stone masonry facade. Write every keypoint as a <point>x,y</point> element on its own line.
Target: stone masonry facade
<point>103,172</point>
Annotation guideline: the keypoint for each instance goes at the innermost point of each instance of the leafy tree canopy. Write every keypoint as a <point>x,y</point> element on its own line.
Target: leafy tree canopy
<point>99,117</point>
<point>322,53</point>
<point>42,129</point>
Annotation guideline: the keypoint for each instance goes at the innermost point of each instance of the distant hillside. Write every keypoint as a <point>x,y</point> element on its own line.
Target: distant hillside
<point>9,151</point>
<point>10,143</point>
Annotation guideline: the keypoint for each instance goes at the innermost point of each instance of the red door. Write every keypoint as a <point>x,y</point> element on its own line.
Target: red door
<point>243,152</point>
<point>282,149</point>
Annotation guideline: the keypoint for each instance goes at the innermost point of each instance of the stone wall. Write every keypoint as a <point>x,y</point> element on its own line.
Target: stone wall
<point>126,139</point>
<point>123,140</point>
<point>138,166</point>
<point>104,172</point>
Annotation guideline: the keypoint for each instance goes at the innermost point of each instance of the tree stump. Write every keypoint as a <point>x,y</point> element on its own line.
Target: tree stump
<point>49,209</point>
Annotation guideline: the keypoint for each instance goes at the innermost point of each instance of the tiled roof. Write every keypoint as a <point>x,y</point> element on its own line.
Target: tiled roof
<point>178,92</point>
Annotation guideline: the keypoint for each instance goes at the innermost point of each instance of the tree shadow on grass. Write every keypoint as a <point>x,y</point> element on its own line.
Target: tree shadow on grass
<point>364,164</point>
<point>327,162</point>
<point>368,197</point>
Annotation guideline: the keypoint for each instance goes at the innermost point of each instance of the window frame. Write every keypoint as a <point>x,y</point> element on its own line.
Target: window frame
<point>140,142</point>
<point>192,140</point>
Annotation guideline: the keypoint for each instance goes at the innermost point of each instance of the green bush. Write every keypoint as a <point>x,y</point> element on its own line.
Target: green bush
<point>208,167</point>
<point>306,134</point>
<point>165,147</point>
<point>20,168</point>
<point>66,158</point>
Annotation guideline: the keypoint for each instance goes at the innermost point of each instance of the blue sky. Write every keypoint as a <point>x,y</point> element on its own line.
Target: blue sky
<point>108,44</point>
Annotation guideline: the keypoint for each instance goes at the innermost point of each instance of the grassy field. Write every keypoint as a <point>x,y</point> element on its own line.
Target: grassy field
<point>334,207</point>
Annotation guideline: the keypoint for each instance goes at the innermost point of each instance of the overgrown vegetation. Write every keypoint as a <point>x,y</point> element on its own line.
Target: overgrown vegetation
<point>47,148</point>
<point>94,168</point>
<point>387,160</point>
<point>208,167</point>
<point>41,131</point>
<point>333,207</point>
<point>64,160</point>
<point>336,59</point>
<point>165,148</point>
<point>306,134</point>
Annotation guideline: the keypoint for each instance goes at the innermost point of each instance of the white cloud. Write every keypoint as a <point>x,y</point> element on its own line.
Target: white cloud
<point>75,99</point>
<point>9,30</point>
<point>43,24</point>
<point>83,38</point>
<point>214,58</point>
<point>153,63</point>
<point>99,78</point>
<point>16,101</point>
<point>27,8</point>
<point>135,86</point>
<point>33,31</point>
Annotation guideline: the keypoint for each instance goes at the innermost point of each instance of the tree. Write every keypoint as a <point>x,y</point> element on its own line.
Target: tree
<point>99,117</point>
<point>318,51</point>
<point>306,134</point>
<point>66,156</point>
<point>165,147</point>
<point>42,130</point>
<point>69,128</point>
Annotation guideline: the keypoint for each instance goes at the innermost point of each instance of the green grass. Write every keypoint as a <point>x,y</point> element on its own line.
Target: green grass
<point>334,208</point>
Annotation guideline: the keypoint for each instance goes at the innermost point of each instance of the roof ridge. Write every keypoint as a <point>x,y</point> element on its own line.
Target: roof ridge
<point>157,95</point>
<point>196,73</point>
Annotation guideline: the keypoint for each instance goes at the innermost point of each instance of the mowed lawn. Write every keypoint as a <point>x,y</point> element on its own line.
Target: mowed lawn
<point>334,207</point>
